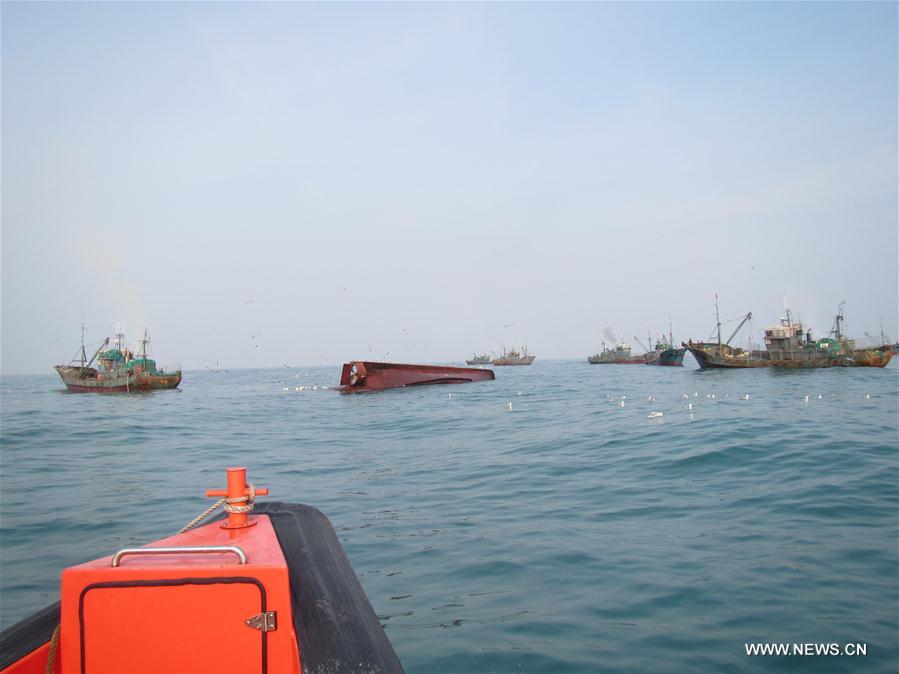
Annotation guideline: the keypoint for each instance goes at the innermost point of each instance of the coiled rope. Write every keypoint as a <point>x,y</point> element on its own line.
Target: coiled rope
<point>231,505</point>
<point>240,504</point>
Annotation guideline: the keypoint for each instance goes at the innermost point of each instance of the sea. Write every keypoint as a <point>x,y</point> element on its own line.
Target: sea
<point>564,518</point>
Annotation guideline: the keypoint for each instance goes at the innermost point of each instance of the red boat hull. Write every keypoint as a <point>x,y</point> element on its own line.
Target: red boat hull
<point>359,376</point>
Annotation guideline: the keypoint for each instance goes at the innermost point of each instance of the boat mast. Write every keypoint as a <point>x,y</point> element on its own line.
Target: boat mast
<point>670,334</point>
<point>839,318</point>
<point>717,319</point>
<point>84,355</point>
<point>143,345</point>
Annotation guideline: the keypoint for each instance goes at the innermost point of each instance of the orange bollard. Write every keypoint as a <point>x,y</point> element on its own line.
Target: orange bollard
<point>237,489</point>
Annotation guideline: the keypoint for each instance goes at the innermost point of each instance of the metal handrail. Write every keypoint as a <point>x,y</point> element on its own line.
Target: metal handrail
<point>185,550</point>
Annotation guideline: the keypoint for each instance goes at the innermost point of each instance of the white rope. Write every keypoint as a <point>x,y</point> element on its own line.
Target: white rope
<point>231,505</point>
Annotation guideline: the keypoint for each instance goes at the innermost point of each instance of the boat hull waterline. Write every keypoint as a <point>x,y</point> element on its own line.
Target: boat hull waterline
<point>714,356</point>
<point>669,358</point>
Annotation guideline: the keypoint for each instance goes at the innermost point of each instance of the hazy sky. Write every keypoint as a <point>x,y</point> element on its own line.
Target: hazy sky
<point>263,184</point>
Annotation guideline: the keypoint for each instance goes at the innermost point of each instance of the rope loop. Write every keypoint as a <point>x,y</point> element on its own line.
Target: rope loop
<point>233,505</point>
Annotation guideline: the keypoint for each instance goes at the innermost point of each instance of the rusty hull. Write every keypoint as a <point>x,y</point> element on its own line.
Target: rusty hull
<point>360,376</point>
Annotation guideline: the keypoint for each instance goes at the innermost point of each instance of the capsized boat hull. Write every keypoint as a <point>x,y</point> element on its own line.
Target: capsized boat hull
<point>359,376</point>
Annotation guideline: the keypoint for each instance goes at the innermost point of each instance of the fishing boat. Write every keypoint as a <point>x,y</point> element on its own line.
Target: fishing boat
<point>789,345</point>
<point>273,592</point>
<point>620,355</point>
<point>665,353</point>
<point>483,359</point>
<point>118,369</point>
<point>514,357</point>
<point>360,376</point>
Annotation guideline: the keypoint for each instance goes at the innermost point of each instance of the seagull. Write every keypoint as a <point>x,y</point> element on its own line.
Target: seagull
<point>621,404</point>
<point>695,394</point>
<point>655,415</point>
<point>405,332</point>
<point>820,396</point>
<point>651,398</point>
<point>746,397</point>
<point>684,396</point>
<point>867,396</point>
<point>689,406</point>
<point>806,400</point>
<point>510,407</point>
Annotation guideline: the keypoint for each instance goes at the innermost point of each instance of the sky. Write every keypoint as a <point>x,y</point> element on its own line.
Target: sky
<point>263,184</point>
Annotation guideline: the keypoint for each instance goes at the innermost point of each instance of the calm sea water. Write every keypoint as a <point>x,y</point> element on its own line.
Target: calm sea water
<point>568,534</point>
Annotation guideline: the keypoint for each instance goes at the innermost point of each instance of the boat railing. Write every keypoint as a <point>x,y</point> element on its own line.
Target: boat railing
<point>171,368</point>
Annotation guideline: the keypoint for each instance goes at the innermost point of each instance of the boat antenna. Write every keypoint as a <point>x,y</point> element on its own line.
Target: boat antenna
<point>717,319</point>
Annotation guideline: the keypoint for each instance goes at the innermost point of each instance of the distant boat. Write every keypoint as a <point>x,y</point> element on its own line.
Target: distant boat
<point>665,353</point>
<point>620,355</point>
<point>514,357</point>
<point>788,345</point>
<point>483,359</point>
<point>118,370</point>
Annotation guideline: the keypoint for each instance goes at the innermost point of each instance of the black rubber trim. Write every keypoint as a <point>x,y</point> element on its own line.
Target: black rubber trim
<point>226,580</point>
<point>27,635</point>
<point>338,631</point>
